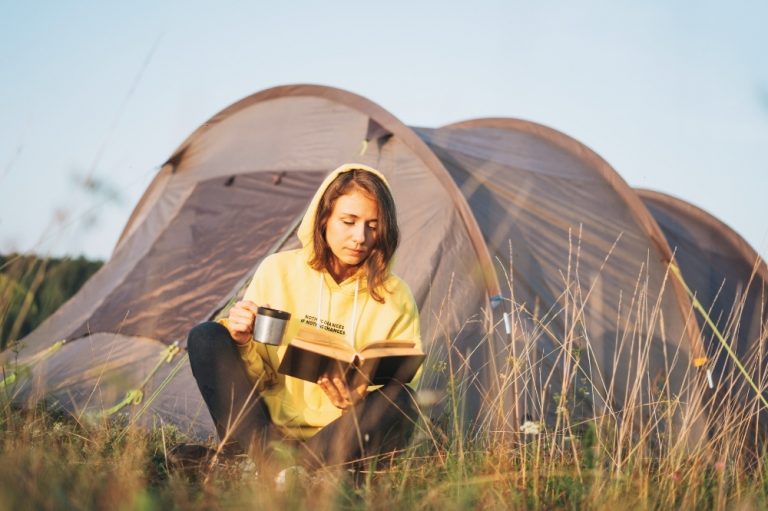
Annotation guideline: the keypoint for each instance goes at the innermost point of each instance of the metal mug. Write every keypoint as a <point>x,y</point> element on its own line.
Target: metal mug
<point>269,325</point>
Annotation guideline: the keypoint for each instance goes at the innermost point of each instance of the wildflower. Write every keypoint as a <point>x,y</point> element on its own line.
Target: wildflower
<point>427,398</point>
<point>530,428</point>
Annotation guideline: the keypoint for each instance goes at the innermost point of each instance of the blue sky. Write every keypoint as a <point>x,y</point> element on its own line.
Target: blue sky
<point>674,95</point>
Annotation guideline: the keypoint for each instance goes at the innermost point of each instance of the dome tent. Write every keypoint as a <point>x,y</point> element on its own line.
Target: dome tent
<point>235,189</point>
<point>729,282</point>
<point>586,260</point>
<point>231,194</point>
<point>726,273</point>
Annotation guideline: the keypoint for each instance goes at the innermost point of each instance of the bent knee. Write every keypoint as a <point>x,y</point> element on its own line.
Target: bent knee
<point>203,336</point>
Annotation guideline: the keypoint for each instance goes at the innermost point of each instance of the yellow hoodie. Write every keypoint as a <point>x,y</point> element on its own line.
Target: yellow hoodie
<point>285,281</point>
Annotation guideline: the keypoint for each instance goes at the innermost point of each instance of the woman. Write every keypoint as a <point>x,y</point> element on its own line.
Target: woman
<point>340,280</point>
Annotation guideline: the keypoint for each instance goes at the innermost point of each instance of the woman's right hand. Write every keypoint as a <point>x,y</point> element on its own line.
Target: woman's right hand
<point>240,321</point>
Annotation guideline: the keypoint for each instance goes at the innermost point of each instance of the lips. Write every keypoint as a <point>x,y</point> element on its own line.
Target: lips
<point>355,252</point>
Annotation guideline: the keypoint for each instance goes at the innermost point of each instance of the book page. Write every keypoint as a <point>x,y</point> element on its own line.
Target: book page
<point>393,344</point>
<point>343,353</point>
<point>322,338</point>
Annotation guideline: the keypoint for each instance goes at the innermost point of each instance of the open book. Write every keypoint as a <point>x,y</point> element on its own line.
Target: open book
<point>314,353</point>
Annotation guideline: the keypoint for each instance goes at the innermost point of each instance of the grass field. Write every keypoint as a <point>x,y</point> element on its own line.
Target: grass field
<point>665,448</point>
<point>49,461</point>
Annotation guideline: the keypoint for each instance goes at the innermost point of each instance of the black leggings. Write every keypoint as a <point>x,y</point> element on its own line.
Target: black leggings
<point>383,422</point>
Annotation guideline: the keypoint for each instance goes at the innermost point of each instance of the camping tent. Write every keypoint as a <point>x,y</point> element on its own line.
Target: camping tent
<point>231,194</point>
<point>584,258</point>
<point>535,267</point>
<point>727,274</point>
<point>730,282</point>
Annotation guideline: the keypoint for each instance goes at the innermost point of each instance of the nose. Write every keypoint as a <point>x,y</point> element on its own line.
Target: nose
<point>358,233</point>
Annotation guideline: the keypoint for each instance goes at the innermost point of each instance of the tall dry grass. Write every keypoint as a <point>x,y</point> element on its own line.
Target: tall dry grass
<point>558,429</point>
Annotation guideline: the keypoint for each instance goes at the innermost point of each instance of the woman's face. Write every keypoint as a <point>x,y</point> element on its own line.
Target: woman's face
<point>351,231</point>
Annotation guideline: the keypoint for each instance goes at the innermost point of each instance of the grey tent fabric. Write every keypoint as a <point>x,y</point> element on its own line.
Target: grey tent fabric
<point>730,281</point>
<point>504,223</point>
<point>109,365</point>
<point>725,273</point>
<point>581,253</point>
<point>182,274</point>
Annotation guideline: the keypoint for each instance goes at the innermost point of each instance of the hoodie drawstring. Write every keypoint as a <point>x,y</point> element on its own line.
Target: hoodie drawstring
<point>319,299</point>
<point>351,334</point>
<point>353,320</point>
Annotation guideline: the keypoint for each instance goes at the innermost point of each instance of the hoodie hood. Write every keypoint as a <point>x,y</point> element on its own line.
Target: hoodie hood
<point>307,226</point>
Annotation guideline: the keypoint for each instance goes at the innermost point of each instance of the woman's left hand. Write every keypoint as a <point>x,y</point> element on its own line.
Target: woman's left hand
<point>340,394</point>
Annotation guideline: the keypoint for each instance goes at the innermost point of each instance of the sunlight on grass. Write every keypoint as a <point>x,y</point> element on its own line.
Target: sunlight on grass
<point>555,431</point>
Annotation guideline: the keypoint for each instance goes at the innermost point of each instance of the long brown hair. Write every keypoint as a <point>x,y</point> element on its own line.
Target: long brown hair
<point>387,232</point>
